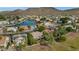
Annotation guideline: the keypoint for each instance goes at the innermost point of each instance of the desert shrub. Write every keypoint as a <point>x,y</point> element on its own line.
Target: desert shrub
<point>43,42</point>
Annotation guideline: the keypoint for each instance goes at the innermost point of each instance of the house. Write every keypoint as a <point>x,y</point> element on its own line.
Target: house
<point>49,30</point>
<point>21,19</point>
<point>37,19</point>
<point>77,27</point>
<point>69,22</point>
<point>4,40</point>
<point>1,30</point>
<point>4,23</point>
<point>66,26</point>
<point>12,22</point>
<point>11,29</point>
<point>37,35</point>
<point>50,25</point>
<point>20,38</point>
<point>24,28</point>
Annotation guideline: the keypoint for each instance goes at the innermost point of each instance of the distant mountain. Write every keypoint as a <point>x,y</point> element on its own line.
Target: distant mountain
<point>37,11</point>
<point>74,11</point>
<point>42,11</point>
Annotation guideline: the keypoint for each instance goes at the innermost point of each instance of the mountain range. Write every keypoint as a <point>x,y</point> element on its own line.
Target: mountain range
<point>42,11</point>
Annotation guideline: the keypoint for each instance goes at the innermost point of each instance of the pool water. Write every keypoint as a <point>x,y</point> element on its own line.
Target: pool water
<point>27,23</point>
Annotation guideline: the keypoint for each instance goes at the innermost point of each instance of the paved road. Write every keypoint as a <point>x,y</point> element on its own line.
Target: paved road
<point>10,33</point>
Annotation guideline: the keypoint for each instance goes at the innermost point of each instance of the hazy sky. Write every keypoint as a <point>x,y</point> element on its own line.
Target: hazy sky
<point>14,8</point>
<point>65,8</point>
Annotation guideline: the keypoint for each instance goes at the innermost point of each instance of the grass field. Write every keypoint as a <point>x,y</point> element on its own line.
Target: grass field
<point>71,44</point>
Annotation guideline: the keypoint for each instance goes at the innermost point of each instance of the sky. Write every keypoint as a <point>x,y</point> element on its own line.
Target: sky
<point>65,8</point>
<point>23,8</point>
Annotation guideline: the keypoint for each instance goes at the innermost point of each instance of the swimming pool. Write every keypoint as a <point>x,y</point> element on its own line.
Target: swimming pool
<point>27,23</point>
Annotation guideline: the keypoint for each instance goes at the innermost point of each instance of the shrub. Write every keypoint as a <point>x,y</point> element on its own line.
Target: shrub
<point>30,39</point>
<point>61,38</point>
<point>43,42</point>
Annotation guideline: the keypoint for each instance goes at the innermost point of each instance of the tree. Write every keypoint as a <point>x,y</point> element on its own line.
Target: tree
<point>61,30</point>
<point>19,48</point>
<point>2,17</point>
<point>56,35</point>
<point>30,39</point>
<point>63,20</point>
<point>43,19</point>
<point>59,36</point>
<point>69,29</point>
<point>48,37</point>
<point>41,28</point>
<point>17,17</point>
<point>8,45</point>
